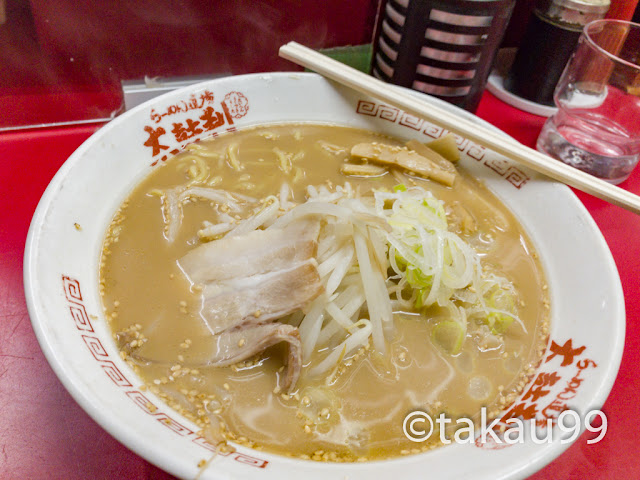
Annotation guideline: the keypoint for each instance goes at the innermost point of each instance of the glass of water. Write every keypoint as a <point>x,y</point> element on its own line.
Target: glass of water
<point>597,126</point>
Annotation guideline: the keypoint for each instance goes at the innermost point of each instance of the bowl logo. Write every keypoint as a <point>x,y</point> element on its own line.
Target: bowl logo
<point>547,398</point>
<point>187,121</point>
<point>236,103</point>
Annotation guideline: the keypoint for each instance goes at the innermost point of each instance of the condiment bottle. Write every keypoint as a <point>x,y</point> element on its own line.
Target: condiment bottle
<point>551,37</point>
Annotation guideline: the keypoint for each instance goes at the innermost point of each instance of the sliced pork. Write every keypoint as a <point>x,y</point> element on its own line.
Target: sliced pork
<point>237,345</point>
<point>256,252</point>
<point>249,281</point>
<point>260,298</point>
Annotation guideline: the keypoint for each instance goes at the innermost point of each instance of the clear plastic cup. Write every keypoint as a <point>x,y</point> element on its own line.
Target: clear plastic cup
<point>597,126</point>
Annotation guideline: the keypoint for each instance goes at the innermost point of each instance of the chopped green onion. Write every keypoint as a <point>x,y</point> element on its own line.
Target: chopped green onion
<point>439,268</point>
<point>502,300</point>
<point>417,279</point>
<point>448,335</point>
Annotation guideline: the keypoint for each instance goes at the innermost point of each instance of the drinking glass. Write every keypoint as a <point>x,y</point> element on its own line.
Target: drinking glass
<point>597,126</point>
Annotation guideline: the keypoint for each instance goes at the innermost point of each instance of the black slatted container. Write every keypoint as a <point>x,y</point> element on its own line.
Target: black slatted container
<point>443,48</point>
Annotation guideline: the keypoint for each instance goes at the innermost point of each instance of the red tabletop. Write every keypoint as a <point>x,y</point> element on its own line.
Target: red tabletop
<point>45,435</point>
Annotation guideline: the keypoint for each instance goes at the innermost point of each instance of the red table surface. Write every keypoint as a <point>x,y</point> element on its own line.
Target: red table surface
<point>45,435</point>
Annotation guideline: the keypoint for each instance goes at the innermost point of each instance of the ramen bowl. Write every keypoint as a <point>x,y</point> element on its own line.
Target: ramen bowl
<point>61,275</point>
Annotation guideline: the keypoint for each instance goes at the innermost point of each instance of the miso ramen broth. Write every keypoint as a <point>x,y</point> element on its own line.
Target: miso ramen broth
<point>327,376</point>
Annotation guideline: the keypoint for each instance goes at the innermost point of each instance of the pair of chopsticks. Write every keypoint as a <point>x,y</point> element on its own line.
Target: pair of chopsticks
<point>435,114</point>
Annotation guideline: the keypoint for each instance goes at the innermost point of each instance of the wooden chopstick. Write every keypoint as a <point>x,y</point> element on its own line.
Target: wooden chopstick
<point>483,136</point>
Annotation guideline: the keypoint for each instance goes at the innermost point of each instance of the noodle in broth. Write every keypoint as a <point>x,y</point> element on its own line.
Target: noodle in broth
<point>453,350</point>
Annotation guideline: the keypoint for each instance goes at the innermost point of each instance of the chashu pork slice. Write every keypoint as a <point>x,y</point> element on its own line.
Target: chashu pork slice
<point>256,252</point>
<point>251,280</point>
<point>260,298</point>
<point>246,341</point>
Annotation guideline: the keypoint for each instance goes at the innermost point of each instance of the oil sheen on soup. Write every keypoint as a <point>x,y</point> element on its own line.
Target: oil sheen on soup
<point>285,291</point>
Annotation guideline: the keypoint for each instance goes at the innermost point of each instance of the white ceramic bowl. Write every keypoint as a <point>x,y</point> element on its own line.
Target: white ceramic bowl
<point>61,281</point>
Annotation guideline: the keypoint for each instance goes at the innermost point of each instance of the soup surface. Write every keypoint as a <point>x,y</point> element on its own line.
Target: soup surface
<point>353,410</point>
